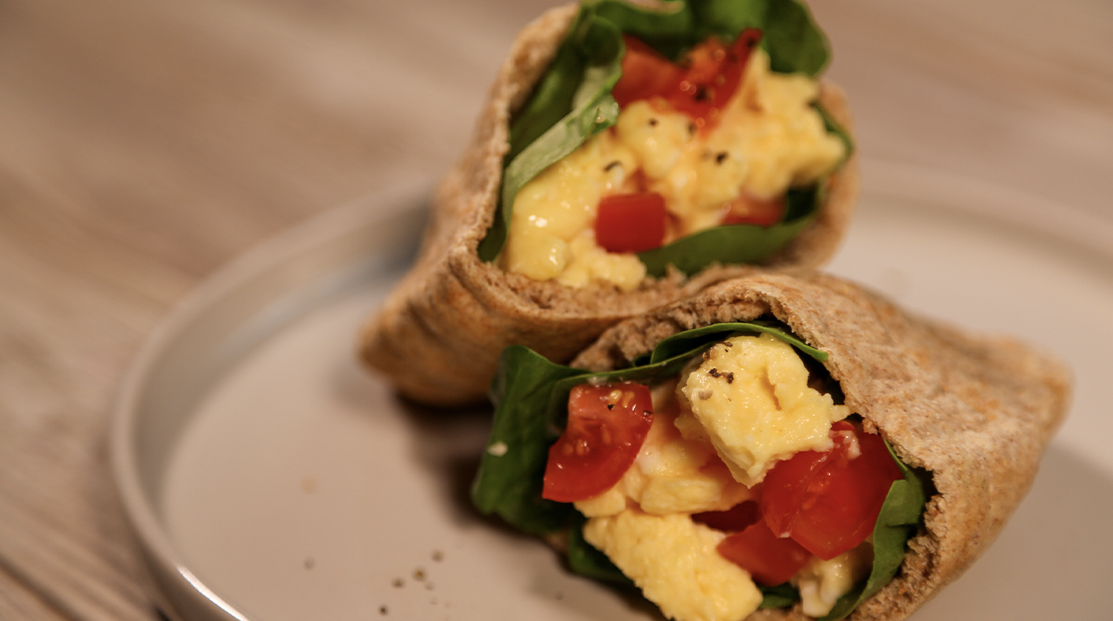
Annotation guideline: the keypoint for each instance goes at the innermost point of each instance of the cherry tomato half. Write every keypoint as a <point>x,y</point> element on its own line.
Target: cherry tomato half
<point>771,560</point>
<point>607,426</point>
<point>828,502</point>
<point>646,73</point>
<point>631,222</point>
<point>699,86</point>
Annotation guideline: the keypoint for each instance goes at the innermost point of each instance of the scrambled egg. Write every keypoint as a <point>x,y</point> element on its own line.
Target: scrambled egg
<point>552,226</point>
<point>703,454</point>
<point>694,584</point>
<point>769,138</point>
<point>751,397</point>
<point>822,583</point>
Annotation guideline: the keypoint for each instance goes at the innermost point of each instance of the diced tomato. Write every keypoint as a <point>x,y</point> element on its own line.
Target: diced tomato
<point>646,73</point>
<point>631,222</point>
<point>607,426</point>
<point>714,73</point>
<point>771,560</point>
<point>828,502</point>
<point>749,210</point>
<point>699,86</point>
<point>733,520</point>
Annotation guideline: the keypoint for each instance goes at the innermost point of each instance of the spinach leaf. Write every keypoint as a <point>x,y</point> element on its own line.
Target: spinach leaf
<point>898,520</point>
<point>510,473</point>
<point>792,39</point>
<point>738,243</point>
<point>599,46</point>
<point>731,244</point>
<point>586,560</point>
<point>833,127</point>
<point>550,101</point>
<point>690,342</point>
<point>780,596</point>
<point>573,102</point>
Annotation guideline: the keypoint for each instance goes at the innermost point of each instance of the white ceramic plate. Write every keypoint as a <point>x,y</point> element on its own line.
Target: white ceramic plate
<point>270,478</point>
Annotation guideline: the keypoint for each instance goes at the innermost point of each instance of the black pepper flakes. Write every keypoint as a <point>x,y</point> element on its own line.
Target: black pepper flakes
<point>419,574</point>
<point>721,157</point>
<point>714,372</point>
<point>610,167</point>
<point>398,583</point>
<point>438,556</point>
<point>653,122</point>
<point>610,406</point>
<point>730,377</point>
<point>382,610</point>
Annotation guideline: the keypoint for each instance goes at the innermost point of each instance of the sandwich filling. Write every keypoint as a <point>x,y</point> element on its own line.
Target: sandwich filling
<point>718,139</point>
<point>723,479</point>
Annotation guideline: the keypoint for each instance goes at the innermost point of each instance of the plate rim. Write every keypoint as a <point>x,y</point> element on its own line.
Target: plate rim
<point>171,584</point>
<point>180,595</point>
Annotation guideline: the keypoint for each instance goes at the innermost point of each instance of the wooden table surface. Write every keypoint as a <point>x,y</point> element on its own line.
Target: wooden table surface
<point>145,143</point>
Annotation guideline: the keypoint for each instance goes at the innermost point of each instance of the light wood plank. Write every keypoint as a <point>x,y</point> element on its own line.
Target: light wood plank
<point>145,143</point>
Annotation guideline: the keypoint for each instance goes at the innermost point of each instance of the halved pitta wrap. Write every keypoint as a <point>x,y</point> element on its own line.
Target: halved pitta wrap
<point>975,413</point>
<point>438,335</point>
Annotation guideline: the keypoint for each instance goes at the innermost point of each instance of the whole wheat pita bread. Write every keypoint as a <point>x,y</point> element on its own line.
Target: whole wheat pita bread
<point>439,334</point>
<point>975,412</point>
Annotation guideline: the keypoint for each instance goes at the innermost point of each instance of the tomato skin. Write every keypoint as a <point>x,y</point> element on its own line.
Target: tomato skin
<point>736,519</point>
<point>829,502</point>
<point>771,560</point>
<point>607,426</point>
<point>631,222</point>
<point>699,86</point>
<point>749,210</point>
<point>646,73</point>
<point>714,73</point>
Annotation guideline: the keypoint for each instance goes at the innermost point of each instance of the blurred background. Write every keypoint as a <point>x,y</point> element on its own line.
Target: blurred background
<point>145,143</point>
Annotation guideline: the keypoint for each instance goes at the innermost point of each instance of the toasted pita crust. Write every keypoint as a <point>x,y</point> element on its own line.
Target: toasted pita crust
<point>439,334</point>
<point>976,412</point>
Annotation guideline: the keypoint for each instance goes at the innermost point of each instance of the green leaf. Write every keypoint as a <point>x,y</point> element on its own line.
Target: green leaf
<point>780,596</point>
<point>795,44</point>
<point>900,516</point>
<point>572,101</point>
<point>586,560</point>
<point>669,30</point>
<point>690,342</point>
<point>833,127</point>
<point>733,244</point>
<point>550,101</point>
<point>511,471</point>
<point>727,18</point>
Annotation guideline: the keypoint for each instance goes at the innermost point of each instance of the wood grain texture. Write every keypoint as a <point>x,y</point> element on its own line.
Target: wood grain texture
<point>144,144</point>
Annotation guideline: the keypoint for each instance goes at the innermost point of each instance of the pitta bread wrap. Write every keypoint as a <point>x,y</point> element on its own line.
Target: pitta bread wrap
<point>438,335</point>
<point>974,412</point>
